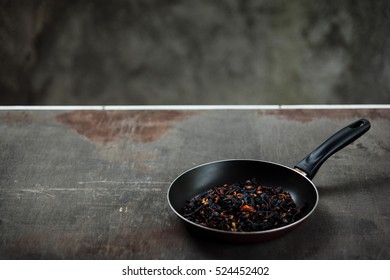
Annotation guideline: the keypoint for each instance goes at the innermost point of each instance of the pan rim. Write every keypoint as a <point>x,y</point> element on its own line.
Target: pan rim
<point>269,231</point>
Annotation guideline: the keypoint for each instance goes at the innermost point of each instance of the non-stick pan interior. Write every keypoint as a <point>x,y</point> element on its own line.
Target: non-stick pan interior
<point>215,174</point>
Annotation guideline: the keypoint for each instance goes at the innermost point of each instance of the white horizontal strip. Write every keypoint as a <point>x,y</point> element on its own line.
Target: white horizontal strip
<point>337,106</point>
<point>193,107</point>
<point>49,108</point>
<point>141,107</point>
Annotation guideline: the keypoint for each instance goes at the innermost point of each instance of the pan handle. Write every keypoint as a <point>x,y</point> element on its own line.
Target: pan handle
<point>313,161</point>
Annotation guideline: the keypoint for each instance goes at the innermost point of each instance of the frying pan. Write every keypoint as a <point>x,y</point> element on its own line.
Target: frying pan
<point>296,181</point>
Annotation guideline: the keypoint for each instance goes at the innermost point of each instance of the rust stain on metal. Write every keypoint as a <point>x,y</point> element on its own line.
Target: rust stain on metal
<point>307,115</point>
<point>108,126</point>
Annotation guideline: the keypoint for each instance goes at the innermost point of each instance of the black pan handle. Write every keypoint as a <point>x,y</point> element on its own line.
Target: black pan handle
<point>313,161</point>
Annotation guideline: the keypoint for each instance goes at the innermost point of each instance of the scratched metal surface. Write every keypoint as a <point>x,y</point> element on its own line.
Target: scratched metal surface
<point>92,184</point>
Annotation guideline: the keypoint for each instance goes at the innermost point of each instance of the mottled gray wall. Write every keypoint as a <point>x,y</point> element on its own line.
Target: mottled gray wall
<point>194,52</point>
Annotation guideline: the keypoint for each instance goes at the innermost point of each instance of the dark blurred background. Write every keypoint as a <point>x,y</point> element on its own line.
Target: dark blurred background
<point>194,52</point>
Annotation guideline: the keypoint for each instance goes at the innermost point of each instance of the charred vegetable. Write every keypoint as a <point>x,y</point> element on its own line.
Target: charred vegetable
<point>242,207</point>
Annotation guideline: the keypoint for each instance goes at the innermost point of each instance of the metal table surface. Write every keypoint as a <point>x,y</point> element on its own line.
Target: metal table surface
<point>92,184</point>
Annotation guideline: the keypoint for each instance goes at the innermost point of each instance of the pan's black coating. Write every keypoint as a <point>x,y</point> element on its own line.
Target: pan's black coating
<point>268,174</point>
